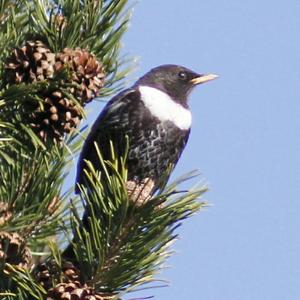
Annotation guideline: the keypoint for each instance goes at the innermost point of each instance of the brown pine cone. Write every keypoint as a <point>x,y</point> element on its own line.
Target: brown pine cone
<point>86,71</point>
<point>49,273</point>
<point>13,250</point>
<point>58,116</point>
<point>75,291</point>
<point>32,62</point>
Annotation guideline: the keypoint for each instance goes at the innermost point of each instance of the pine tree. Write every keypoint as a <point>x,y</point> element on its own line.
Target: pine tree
<point>57,56</point>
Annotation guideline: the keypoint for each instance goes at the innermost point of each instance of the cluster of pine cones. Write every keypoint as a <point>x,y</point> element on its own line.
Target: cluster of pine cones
<point>61,282</point>
<point>59,111</point>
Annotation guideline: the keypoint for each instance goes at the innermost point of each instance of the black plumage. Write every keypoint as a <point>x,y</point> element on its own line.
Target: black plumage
<point>155,144</point>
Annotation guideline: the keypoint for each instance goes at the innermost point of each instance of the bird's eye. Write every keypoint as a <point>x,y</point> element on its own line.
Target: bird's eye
<point>182,75</point>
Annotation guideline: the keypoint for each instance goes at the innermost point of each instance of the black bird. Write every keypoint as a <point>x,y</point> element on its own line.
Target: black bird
<point>155,116</point>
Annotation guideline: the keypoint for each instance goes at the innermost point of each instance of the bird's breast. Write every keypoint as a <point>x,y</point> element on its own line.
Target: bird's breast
<point>164,108</point>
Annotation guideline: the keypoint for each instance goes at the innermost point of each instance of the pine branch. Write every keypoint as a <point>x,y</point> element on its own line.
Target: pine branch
<point>13,26</point>
<point>31,183</point>
<point>119,246</point>
<point>94,25</point>
<point>24,283</point>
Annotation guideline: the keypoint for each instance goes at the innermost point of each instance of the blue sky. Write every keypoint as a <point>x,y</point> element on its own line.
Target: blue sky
<point>245,141</point>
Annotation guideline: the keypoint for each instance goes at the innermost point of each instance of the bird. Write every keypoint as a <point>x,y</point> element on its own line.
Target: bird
<point>154,116</point>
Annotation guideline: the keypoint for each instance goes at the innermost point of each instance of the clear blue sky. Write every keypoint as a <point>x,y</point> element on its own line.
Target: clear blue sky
<point>245,140</point>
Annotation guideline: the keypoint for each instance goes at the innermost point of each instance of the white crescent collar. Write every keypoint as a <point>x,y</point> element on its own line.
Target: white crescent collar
<point>164,108</point>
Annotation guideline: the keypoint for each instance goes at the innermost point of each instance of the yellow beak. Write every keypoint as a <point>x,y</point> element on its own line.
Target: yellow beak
<point>204,78</point>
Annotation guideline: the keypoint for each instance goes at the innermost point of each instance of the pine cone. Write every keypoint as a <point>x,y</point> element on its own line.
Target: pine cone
<point>59,115</point>
<point>13,250</point>
<point>49,273</point>
<point>86,71</point>
<point>32,62</point>
<point>5,213</point>
<point>75,291</point>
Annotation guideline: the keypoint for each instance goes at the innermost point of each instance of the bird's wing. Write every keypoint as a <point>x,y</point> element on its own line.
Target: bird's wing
<point>113,120</point>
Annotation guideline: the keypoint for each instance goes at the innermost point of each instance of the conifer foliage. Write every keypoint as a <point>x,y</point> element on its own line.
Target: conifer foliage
<point>56,56</point>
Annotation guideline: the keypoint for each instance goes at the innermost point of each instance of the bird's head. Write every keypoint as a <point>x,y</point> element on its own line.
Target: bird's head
<point>176,81</point>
